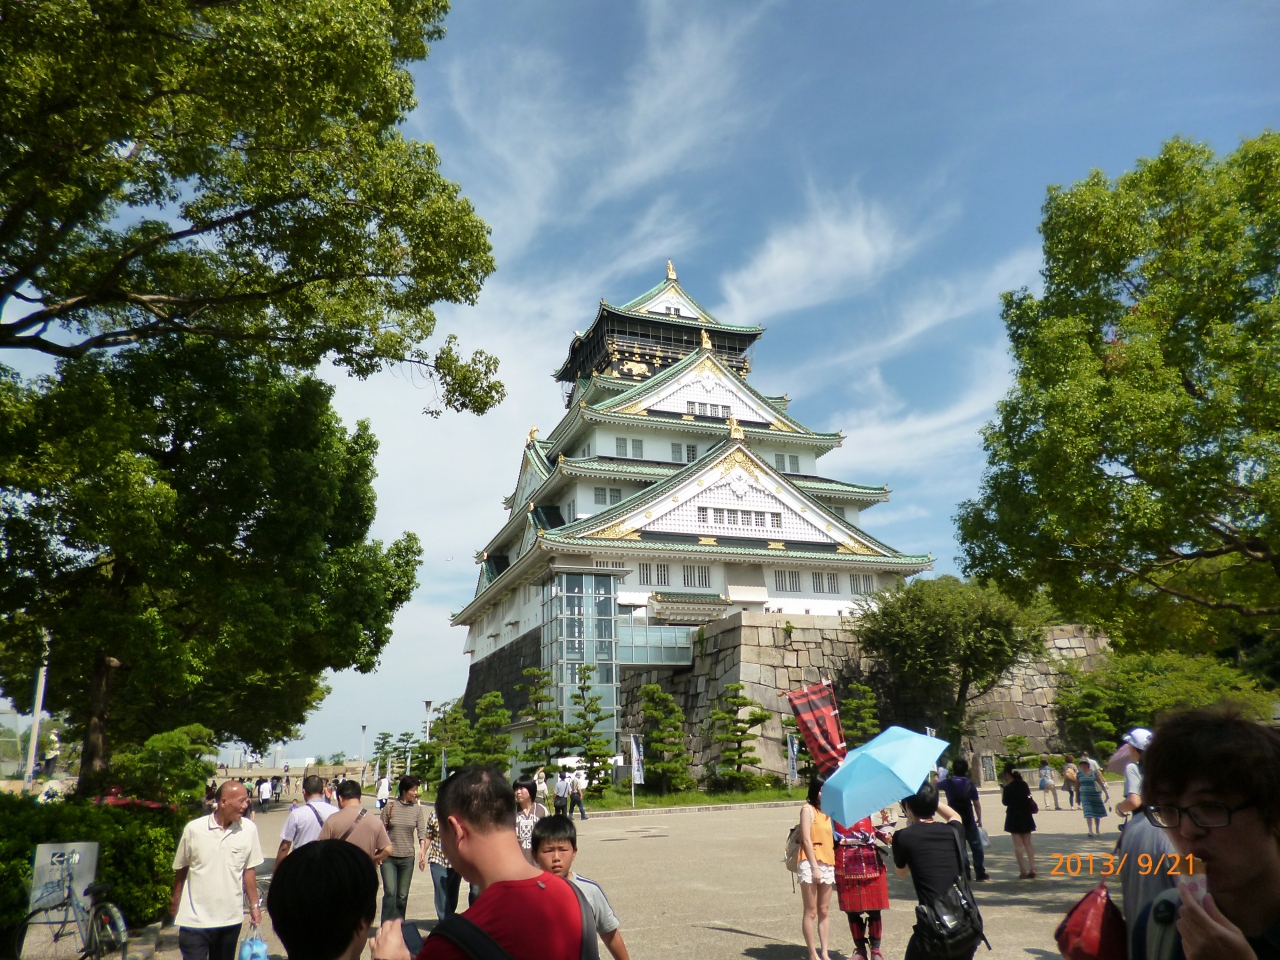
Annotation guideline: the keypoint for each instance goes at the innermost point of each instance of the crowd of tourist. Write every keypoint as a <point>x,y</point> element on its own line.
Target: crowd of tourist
<point>1205,785</point>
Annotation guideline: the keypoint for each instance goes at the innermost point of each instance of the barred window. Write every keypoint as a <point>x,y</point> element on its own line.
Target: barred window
<point>690,407</point>
<point>719,515</point>
<point>862,583</point>
<point>793,581</point>
<point>615,494</point>
<point>704,576</point>
<point>780,461</point>
<point>731,517</point>
<point>621,444</point>
<point>637,449</point>
<point>691,452</point>
<point>780,580</point>
<point>602,495</point>
<point>775,520</point>
<point>664,574</point>
<point>819,583</point>
<point>726,412</point>
<point>833,583</point>
<point>760,518</point>
<point>675,453</point>
<point>690,575</point>
<point>702,409</point>
<point>795,463</point>
<point>838,511</point>
<point>646,573</point>
<point>702,514</point>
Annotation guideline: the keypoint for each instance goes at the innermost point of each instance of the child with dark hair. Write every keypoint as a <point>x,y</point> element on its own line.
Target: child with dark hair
<point>555,846</point>
<point>528,813</point>
<point>1212,783</point>
<point>322,901</point>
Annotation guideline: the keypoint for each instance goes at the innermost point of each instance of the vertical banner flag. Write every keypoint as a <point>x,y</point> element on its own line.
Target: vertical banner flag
<point>793,748</point>
<point>819,723</point>
<point>637,760</point>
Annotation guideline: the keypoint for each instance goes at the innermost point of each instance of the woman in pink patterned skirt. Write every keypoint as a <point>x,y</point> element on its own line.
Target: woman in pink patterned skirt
<point>861,884</point>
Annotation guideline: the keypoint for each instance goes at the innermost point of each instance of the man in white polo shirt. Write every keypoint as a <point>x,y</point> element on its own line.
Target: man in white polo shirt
<point>304,822</point>
<point>217,859</point>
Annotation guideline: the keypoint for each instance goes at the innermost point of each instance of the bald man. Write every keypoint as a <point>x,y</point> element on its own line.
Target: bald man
<point>215,867</point>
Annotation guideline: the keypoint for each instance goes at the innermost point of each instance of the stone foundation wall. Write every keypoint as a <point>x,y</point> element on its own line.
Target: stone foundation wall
<point>758,651</point>
<point>502,670</point>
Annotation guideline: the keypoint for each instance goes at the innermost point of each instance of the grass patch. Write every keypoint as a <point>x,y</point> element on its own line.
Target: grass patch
<point>616,798</point>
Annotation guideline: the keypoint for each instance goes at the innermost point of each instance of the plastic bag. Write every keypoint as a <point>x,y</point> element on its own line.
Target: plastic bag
<point>984,837</point>
<point>253,947</point>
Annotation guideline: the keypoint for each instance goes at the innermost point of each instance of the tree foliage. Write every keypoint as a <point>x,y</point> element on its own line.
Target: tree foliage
<point>551,736</point>
<point>949,642</point>
<point>231,171</point>
<point>1134,468</point>
<point>1123,691</point>
<point>489,744</point>
<point>666,758</point>
<point>732,732</point>
<point>859,715</point>
<point>170,767</point>
<point>451,735</point>
<point>597,749</point>
<point>190,526</point>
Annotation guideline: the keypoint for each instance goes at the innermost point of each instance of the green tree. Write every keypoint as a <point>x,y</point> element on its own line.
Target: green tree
<point>1131,469</point>
<point>666,758</point>
<point>1123,691</point>
<point>190,526</point>
<point>170,767</point>
<point>236,172</point>
<point>382,749</point>
<point>859,715</point>
<point>551,736</point>
<point>490,745</point>
<point>452,734</point>
<point>402,752</point>
<point>732,731</point>
<point>338,759</point>
<point>948,642</point>
<point>597,749</point>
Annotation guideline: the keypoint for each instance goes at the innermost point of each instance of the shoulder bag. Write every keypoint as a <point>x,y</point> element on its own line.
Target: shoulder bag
<point>359,817</point>
<point>951,926</point>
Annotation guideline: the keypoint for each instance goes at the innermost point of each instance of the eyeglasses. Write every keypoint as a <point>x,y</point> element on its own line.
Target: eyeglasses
<point>1206,816</point>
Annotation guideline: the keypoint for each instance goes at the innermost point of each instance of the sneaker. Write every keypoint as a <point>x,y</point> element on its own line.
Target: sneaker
<point>982,876</point>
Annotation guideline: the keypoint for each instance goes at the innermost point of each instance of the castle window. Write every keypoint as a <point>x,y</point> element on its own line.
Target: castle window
<point>795,463</point>
<point>833,583</point>
<point>702,514</point>
<point>713,410</point>
<point>702,409</point>
<point>719,514</point>
<point>675,453</point>
<point>780,461</point>
<point>775,520</point>
<point>838,511</point>
<point>793,581</point>
<point>819,583</point>
<point>664,574</point>
<point>646,573</point>
<point>759,518</point>
<point>731,518</point>
<point>615,494</point>
<point>726,412</point>
<point>602,495</point>
<point>571,509</point>
<point>780,581</point>
<point>690,407</point>
<point>621,443</point>
<point>691,452</point>
<point>695,576</point>
<point>637,449</point>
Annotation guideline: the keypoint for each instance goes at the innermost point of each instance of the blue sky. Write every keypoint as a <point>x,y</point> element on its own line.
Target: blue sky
<point>861,178</point>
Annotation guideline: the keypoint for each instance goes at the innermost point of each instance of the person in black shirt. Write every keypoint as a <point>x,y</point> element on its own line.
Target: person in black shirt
<point>962,797</point>
<point>928,851</point>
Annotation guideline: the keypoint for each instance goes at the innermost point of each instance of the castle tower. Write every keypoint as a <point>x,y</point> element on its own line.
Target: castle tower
<point>671,494</point>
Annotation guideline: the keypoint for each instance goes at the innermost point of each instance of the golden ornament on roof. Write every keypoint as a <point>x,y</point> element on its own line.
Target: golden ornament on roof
<point>735,429</point>
<point>533,435</point>
<point>671,270</point>
<point>706,340</point>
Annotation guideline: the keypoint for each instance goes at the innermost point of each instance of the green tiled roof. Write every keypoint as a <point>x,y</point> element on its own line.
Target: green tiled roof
<point>816,485</point>
<point>597,543</point>
<point>690,597</point>
<point>631,305</point>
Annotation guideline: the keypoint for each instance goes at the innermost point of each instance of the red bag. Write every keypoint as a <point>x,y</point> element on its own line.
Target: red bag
<point>1093,929</point>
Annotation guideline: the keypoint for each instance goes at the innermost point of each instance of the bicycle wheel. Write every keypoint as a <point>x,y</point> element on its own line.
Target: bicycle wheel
<point>19,936</point>
<point>107,932</point>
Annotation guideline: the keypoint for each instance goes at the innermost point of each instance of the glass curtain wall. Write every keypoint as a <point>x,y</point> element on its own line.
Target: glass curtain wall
<point>578,614</point>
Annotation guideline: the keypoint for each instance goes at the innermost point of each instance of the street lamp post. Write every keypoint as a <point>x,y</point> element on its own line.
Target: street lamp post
<point>363,728</point>
<point>427,704</point>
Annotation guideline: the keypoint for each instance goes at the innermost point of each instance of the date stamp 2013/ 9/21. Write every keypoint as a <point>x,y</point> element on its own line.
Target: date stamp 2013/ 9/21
<point>1109,865</point>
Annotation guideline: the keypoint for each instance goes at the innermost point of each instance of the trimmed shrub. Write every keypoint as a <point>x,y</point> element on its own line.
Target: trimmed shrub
<point>135,851</point>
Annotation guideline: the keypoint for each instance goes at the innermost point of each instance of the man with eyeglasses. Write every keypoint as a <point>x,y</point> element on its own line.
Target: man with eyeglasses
<point>1212,783</point>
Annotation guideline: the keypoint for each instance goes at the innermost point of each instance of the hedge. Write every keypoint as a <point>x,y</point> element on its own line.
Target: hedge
<point>135,851</point>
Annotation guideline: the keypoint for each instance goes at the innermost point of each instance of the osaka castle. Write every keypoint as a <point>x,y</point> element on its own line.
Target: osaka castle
<point>671,494</point>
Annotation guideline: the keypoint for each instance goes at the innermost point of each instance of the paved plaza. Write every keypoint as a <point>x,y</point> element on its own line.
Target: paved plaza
<point>712,885</point>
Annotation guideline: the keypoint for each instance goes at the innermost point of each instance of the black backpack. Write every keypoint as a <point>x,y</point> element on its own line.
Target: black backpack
<point>951,925</point>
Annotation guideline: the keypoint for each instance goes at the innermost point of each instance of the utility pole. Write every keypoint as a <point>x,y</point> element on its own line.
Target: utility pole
<point>29,773</point>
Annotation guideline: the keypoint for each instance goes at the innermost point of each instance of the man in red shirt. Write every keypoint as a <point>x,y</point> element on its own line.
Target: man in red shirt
<point>476,808</point>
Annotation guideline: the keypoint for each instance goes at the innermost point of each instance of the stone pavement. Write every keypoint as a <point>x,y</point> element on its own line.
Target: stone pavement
<point>712,885</point>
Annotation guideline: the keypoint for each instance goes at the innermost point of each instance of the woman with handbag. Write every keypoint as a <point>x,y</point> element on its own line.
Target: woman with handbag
<point>862,886</point>
<point>1093,795</point>
<point>816,870</point>
<point>1015,794</point>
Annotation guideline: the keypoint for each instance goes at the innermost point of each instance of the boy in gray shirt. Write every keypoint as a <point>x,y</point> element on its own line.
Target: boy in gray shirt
<point>555,845</point>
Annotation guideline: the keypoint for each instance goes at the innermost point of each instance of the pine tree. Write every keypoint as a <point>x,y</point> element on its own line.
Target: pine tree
<point>805,770</point>
<point>597,749</point>
<point>859,715</point>
<point>733,734</point>
<point>381,751</point>
<point>666,759</point>
<point>490,745</point>
<point>451,736</point>
<point>551,736</point>
<point>403,751</point>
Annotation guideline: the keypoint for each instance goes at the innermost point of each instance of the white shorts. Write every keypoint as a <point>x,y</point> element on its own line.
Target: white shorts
<point>826,873</point>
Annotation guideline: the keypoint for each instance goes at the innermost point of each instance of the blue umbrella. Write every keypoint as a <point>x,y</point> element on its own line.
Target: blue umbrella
<point>879,774</point>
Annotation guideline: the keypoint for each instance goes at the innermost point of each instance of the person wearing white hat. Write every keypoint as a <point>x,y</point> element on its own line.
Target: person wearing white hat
<point>1137,738</point>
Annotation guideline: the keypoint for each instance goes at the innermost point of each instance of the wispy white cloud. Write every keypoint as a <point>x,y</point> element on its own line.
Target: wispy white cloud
<point>842,244</point>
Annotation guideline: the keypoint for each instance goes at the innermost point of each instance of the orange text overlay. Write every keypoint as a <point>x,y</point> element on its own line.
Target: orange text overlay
<point>1109,865</point>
